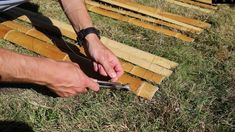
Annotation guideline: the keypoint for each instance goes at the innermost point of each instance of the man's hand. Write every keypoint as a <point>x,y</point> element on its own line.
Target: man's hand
<point>105,62</point>
<point>63,78</point>
<point>67,79</point>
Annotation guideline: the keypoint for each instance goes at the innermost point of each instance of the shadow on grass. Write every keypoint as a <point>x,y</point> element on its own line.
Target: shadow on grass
<point>12,126</point>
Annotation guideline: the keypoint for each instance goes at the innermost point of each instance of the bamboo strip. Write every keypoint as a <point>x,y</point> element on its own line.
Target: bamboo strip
<point>107,41</point>
<point>180,3</point>
<point>139,16</point>
<point>117,48</point>
<point>139,23</point>
<point>32,44</point>
<point>128,67</point>
<point>199,4</point>
<point>205,1</point>
<point>157,13</point>
<point>51,51</point>
<point>142,55</point>
<point>28,31</point>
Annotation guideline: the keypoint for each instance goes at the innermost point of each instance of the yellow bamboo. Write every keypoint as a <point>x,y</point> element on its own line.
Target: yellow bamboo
<point>145,18</point>
<point>128,67</point>
<point>199,4</point>
<point>32,44</point>
<point>157,13</point>
<point>180,3</point>
<point>51,51</point>
<point>139,23</point>
<point>205,1</point>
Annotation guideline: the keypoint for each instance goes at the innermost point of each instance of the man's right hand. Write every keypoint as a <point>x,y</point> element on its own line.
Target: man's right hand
<point>66,79</point>
<point>63,78</point>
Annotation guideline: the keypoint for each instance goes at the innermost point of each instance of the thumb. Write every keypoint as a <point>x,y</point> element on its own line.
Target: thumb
<point>109,70</point>
<point>91,84</point>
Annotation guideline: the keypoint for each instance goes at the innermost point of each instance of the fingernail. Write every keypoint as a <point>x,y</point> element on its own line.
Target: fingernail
<point>113,75</point>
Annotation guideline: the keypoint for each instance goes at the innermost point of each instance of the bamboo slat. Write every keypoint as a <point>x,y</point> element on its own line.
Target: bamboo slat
<point>205,1</point>
<point>139,23</point>
<point>154,59</point>
<point>117,48</point>
<point>157,13</point>
<point>51,51</point>
<point>139,16</point>
<point>28,31</point>
<point>32,44</point>
<point>128,67</point>
<point>199,4</point>
<point>180,3</point>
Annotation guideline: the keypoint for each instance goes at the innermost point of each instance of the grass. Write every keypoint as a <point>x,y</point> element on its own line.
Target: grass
<point>199,96</point>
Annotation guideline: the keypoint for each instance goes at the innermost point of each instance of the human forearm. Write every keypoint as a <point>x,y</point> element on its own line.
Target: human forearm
<point>20,68</point>
<point>64,78</point>
<point>105,62</point>
<point>77,13</point>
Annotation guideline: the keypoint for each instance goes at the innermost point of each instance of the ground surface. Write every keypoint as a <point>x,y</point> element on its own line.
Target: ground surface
<point>199,96</point>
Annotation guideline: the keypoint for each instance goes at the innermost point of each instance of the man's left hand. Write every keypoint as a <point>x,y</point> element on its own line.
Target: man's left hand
<point>105,62</point>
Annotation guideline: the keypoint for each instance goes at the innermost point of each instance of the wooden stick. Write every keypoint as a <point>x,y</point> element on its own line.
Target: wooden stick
<point>205,1</point>
<point>51,51</point>
<point>180,3</point>
<point>139,16</point>
<point>32,44</point>
<point>157,13</point>
<point>107,42</point>
<point>139,23</point>
<point>199,4</point>
<point>128,67</point>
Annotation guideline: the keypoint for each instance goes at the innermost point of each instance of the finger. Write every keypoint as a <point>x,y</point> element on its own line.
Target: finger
<point>92,85</point>
<point>109,70</point>
<point>84,90</point>
<point>80,90</point>
<point>66,94</point>
<point>95,66</point>
<point>114,79</point>
<point>119,70</point>
<point>101,70</point>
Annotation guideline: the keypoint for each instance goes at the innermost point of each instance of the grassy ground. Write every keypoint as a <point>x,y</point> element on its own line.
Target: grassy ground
<point>199,96</point>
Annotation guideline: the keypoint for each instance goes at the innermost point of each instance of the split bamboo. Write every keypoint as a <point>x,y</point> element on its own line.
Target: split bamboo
<point>157,13</point>
<point>146,62</point>
<point>128,67</point>
<point>199,4</point>
<point>52,52</point>
<point>205,1</point>
<point>153,59</point>
<point>139,23</point>
<point>180,3</point>
<point>139,16</point>
<point>32,44</point>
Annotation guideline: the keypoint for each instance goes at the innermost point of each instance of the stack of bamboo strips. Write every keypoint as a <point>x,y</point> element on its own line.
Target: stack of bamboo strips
<point>147,67</point>
<point>147,17</point>
<point>204,7</point>
<point>102,10</point>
